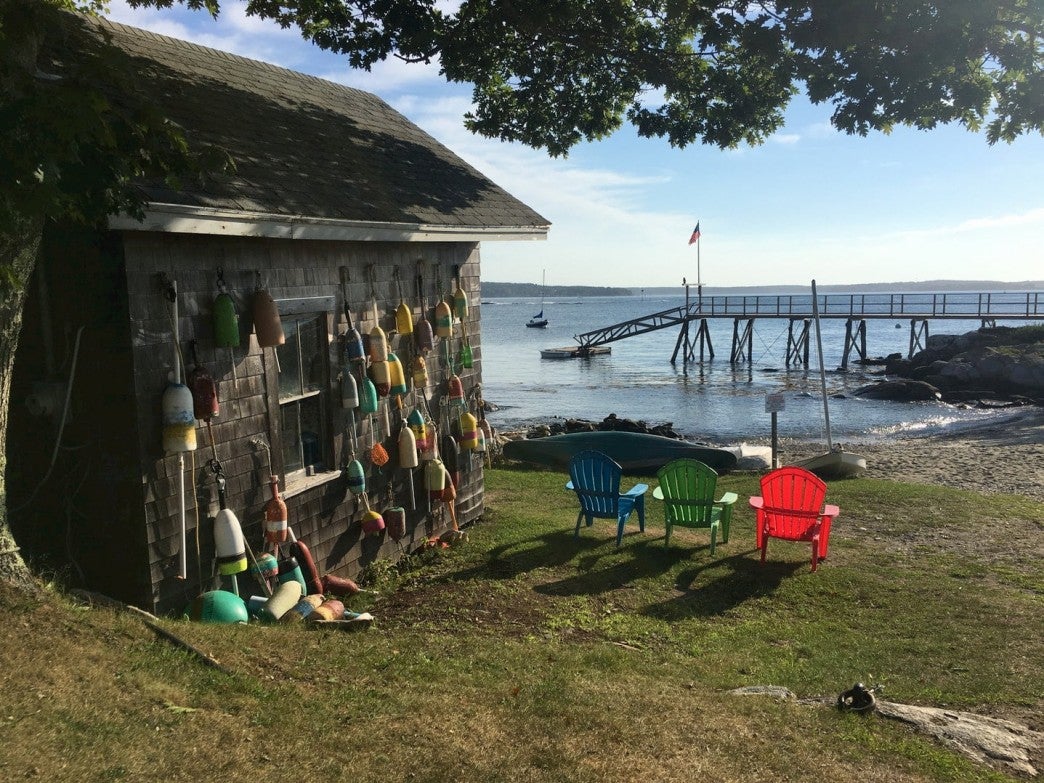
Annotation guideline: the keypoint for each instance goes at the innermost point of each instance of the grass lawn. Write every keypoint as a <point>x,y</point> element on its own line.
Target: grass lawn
<point>526,654</point>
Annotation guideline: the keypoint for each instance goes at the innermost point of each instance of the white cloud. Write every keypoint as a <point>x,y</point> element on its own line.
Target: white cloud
<point>785,138</point>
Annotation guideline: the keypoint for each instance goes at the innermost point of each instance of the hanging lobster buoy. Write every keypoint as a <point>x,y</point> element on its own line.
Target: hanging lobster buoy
<point>408,459</point>
<point>218,606</point>
<point>460,301</point>
<point>179,419</point>
<point>396,376</point>
<point>395,522</point>
<point>372,523</point>
<point>378,343</point>
<point>349,389</point>
<point>480,442</point>
<point>267,325</point>
<point>416,423</point>
<point>367,397</point>
<point>203,389</point>
<point>224,317</point>
<point>435,478</point>
<point>356,477</point>
<point>468,431</point>
<point>381,377</point>
<point>300,552</point>
<point>423,337</point>
<point>275,514</point>
<point>455,389</point>
<point>450,453</point>
<point>443,320</point>
<point>403,319</point>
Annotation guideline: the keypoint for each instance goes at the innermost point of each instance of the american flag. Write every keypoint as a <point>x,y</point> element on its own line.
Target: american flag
<point>695,234</point>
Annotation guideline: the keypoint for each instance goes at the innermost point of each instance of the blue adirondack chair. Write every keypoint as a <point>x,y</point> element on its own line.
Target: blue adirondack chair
<point>687,489</point>
<point>595,479</point>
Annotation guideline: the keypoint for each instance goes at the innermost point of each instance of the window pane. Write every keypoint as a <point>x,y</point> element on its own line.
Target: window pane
<point>291,436</point>
<point>311,429</point>
<point>313,352</point>
<point>289,361</point>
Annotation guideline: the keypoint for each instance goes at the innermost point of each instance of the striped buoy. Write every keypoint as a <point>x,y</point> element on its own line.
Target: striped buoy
<point>468,431</point>
<point>356,477</point>
<point>290,571</point>
<point>275,514</point>
<point>302,609</point>
<point>381,378</point>
<point>443,320</point>
<point>396,376</point>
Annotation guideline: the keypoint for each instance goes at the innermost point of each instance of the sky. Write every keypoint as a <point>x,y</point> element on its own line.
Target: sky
<point>809,203</point>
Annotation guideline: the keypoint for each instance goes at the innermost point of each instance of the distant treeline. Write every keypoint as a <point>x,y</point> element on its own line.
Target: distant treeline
<point>928,286</point>
<point>505,290</point>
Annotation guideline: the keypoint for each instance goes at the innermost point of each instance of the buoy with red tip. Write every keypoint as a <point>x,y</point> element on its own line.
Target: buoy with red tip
<point>372,522</point>
<point>275,514</point>
<point>380,373</point>
<point>229,544</point>
<point>455,390</point>
<point>327,611</point>
<point>378,343</point>
<point>469,431</point>
<point>435,478</point>
<point>267,325</point>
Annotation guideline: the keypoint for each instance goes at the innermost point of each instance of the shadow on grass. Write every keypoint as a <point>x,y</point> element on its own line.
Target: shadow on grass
<point>703,592</point>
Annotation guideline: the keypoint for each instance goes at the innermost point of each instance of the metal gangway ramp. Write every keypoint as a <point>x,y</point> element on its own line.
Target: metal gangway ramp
<point>986,307</point>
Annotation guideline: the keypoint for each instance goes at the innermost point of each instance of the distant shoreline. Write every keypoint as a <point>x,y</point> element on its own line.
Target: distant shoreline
<point>494,290</point>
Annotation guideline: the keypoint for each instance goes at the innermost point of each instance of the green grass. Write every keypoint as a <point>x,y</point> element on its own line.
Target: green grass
<point>527,654</point>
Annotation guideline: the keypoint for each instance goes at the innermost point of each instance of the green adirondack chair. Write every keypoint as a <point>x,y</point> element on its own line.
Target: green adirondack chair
<point>687,490</point>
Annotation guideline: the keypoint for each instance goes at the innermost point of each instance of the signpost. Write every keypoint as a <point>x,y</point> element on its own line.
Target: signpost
<point>774,403</point>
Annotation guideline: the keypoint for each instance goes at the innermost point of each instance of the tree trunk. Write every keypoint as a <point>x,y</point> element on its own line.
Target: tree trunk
<point>19,243</point>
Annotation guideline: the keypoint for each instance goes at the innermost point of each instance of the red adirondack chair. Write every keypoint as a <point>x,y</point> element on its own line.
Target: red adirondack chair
<point>791,507</point>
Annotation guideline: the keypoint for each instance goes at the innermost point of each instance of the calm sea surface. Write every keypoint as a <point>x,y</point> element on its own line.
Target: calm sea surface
<point>715,401</point>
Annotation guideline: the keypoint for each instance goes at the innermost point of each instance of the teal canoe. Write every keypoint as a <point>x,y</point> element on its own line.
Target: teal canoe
<point>637,453</point>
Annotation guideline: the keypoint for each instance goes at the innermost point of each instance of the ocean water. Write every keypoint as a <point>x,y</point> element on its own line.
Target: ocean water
<point>715,401</point>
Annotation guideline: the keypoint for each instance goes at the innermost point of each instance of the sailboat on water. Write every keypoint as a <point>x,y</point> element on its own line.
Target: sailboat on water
<point>538,321</point>
<point>836,462</point>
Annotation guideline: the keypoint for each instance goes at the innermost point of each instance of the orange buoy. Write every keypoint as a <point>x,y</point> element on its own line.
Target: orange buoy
<point>339,585</point>
<point>275,514</point>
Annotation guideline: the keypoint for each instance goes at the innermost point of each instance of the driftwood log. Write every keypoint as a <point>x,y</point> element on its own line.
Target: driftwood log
<point>1005,744</point>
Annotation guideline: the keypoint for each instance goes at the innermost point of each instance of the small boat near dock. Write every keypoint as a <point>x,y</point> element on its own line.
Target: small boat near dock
<point>574,352</point>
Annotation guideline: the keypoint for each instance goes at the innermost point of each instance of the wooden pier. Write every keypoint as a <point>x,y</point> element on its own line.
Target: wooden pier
<point>856,309</point>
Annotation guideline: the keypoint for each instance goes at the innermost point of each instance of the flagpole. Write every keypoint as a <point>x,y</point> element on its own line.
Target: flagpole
<point>699,280</point>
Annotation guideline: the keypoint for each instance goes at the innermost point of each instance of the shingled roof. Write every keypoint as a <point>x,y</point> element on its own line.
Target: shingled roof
<point>313,158</point>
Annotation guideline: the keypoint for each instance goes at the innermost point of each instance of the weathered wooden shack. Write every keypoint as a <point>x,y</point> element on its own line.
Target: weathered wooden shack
<point>338,207</point>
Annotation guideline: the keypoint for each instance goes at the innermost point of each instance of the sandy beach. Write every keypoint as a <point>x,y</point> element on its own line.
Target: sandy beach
<point>1006,458</point>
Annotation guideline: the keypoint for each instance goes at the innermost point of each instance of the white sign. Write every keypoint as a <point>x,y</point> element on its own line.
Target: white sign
<point>774,402</point>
